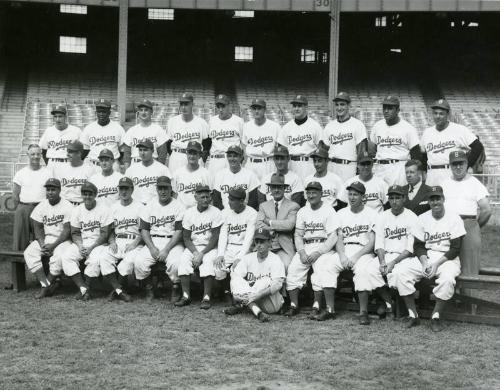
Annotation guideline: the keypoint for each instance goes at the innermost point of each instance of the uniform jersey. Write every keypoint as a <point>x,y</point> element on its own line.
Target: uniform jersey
<point>317,224</point>
<point>90,222</point>
<point>394,142</point>
<point>96,138</point>
<point>53,217</point>
<point>332,186</point>
<point>356,227</point>
<point>461,197</point>
<point>237,229</point>
<point>185,182</point>
<point>393,233</point>
<point>227,181</point>
<point>107,187</point>
<point>439,144</point>
<point>161,219</point>
<point>260,140</point>
<point>301,140</point>
<point>139,133</point>
<point>72,178</point>
<point>293,181</point>
<point>376,192</point>
<point>144,178</point>
<point>225,133</point>
<point>343,137</point>
<point>252,269</point>
<point>56,141</point>
<point>32,183</point>
<point>181,132</point>
<point>438,233</point>
<point>126,219</point>
<point>200,224</point>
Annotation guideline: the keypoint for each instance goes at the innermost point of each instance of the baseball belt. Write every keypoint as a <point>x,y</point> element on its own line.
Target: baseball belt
<point>161,235</point>
<point>29,204</point>
<point>314,240</point>
<point>179,150</point>
<point>353,243</point>
<point>75,203</point>
<point>218,155</point>
<point>444,166</point>
<point>126,235</point>
<point>299,158</point>
<point>341,161</point>
<point>468,216</point>
<point>387,161</point>
<point>234,243</point>
<point>258,160</point>
<point>58,159</point>
<point>136,159</point>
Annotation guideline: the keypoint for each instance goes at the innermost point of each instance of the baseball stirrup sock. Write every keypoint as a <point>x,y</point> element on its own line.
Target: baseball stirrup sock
<point>435,316</point>
<point>316,305</point>
<point>119,291</point>
<point>411,313</point>
<point>256,310</point>
<point>83,290</point>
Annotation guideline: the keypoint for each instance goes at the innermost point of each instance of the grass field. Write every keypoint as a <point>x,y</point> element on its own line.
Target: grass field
<point>62,343</point>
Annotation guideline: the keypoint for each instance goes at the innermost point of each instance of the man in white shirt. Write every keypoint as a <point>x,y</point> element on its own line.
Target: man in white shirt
<point>107,180</point>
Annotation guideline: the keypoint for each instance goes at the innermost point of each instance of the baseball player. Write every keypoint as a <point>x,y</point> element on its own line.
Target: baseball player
<point>416,189</point>
<point>315,238</point>
<point>445,137</point>
<point>102,134</point>
<point>55,139</point>
<point>346,137</point>
<point>107,180</point>
<point>145,173</point>
<point>294,189</point>
<point>233,177</point>
<point>331,183</point>
<point>259,138</point>
<point>201,227</point>
<point>52,237</point>
<point>73,174</point>
<point>301,136</point>
<point>90,226</point>
<point>355,247</point>
<point>375,196</point>
<point>143,130</point>
<point>191,175</point>
<point>438,236</point>
<point>225,130</point>
<point>394,248</point>
<point>257,280</point>
<point>161,230</point>
<point>396,141</point>
<point>183,128</point>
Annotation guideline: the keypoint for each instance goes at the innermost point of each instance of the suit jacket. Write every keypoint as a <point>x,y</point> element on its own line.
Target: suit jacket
<point>419,204</point>
<point>283,224</point>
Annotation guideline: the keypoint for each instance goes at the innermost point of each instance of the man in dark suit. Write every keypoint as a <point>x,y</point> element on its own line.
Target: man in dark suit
<point>416,188</point>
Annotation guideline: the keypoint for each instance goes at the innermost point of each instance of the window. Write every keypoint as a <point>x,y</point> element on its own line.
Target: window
<point>381,21</point>
<point>244,14</point>
<point>73,45</point>
<point>160,14</point>
<point>396,51</point>
<point>464,24</point>
<point>243,53</point>
<point>324,58</point>
<point>308,56</point>
<point>73,9</point>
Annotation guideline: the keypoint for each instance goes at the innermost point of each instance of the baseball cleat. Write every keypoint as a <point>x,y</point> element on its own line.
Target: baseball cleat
<point>314,314</point>
<point>364,319</point>
<point>411,322</point>
<point>263,317</point>
<point>205,304</point>
<point>150,295</point>
<point>44,292</point>
<point>436,325</point>
<point>83,297</point>
<point>384,312</point>
<point>112,296</point>
<point>292,311</point>
<point>123,296</point>
<point>183,302</point>
<point>233,310</point>
<point>176,293</point>
<point>325,315</point>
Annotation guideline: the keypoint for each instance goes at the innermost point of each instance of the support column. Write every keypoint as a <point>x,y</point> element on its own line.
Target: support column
<point>334,51</point>
<point>122,59</point>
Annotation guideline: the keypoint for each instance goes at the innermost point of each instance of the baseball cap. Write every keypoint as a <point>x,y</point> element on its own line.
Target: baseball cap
<point>391,101</point>
<point>163,181</point>
<point>458,155</point>
<point>364,156</point>
<point>103,103</point>
<point>280,150</point>
<point>186,97</point>
<point>237,193</point>
<point>106,153</point>
<point>442,104</point>
<point>357,186</point>
<point>262,234</point>
<point>222,99</point>
<point>59,109</point>
<point>258,103</point>
<point>52,182</point>
<point>146,143</point>
<point>193,145</point>
<point>88,186</point>
<point>202,188</point>
<point>277,179</point>
<point>126,182</point>
<point>435,191</point>
<point>75,146</point>
<point>301,99</point>
<point>235,149</point>
<point>395,189</point>
<point>145,103</point>
<point>320,152</point>
<point>314,185</point>
<point>343,96</point>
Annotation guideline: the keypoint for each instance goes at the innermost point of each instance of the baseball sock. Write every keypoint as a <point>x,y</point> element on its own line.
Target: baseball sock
<point>83,290</point>
<point>118,291</point>
<point>411,314</point>
<point>45,284</point>
<point>435,316</point>
<point>316,305</point>
<point>255,310</point>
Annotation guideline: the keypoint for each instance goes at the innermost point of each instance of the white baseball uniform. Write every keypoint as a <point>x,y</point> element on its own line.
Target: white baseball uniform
<point>140,133</point>
<point>107,187</point>
<point>96,138</point>
<point>224,133</point>
<point>332,186</point>
<point>343,138</point>
<point>226,181</point>
<point>393,143</point>
<point>32,184</point>
<point>292,181</point>
<point>56,142</point>
<point>439,144</point>
<point>71,179</point>
<point>144,178</point>
<point>376,192</point>
<point>185,182</point>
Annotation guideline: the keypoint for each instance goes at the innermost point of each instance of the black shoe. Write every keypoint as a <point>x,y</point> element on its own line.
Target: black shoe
<point>314,314</point>
<point>176,293</point>
<point>292,311</point>
<point>263,317</point>
<point>44,292</point>
<point>411,322</point>
<point>150,295</point>
<point>183,302</point>
<point>205,304</point>
<point>364,319</point>
<point>233,310</point>
<point>384,312</point>
<point>112,296</point>
<point>228,297</point>
<point>123,296</point>
<point>83,297</point>
<point>436,325</point>
<point>325,315</point>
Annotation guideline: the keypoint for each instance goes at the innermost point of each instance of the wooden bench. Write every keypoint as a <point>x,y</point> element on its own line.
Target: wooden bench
<point>479,282</point>
<point>18,270</point>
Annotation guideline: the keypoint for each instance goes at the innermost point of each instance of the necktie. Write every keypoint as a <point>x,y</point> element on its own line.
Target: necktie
<point>276,206</point>
<point>411,189</point>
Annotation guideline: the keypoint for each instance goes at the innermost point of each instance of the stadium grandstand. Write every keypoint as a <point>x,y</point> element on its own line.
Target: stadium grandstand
<point>74,52</point>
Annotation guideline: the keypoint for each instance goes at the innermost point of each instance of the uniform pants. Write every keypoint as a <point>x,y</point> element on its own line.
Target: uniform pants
<point>93,261</point>
<point>33,256</point>
<point>344,171</point>
<point>302,169</point>
<point>269,304</point>
<point>392,174</point>
<point>216,165</point>
<point>109,259</point>
<point>23,228</point>
<point>285,257</point>
<point>445,276</point>
<point>71,260</point>
<point>207,267</point>
<point>470,252</point>
<point>230,255</point>
<point>405,274</point>
<point>144,261</point>
<point>367,276</point>
<point>260,169</point>
<point>436,177</point>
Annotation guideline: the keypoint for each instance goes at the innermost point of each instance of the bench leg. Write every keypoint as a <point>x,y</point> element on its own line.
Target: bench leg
<point>18,276</point>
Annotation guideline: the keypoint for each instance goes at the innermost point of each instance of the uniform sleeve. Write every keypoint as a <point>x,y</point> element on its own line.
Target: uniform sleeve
<point>18,178</point>
<point>412,137</point>
<point>204,128</point>
<point>36,214</point>
<point>468,136</point>
<point>325,133</point>
<point>373,219</point>
<point>481,190</point>
<point>418,229</point>
<point>360,132</point>
<point>278,270</point>
<point>318,133</point>
<point>166,171</point>
<point>373,134</point>
<point>241,125</point>
<point>43,140</point>
<point>90,171</point>
<point>241,268</point>
<point>179,215</point>
<point>457,228</point>
<point>297,185</point>
<point>247,242</point>
<point>253,181</point>
<point>121,134</point>
<point>221,246</point>
<point>244,137</point>
<point>75,218</point>
<point>145,213</point>
<point>299,223</point>
<point>161,136</point>
<point>107,217</point>
<point>217,218</point>
<point>379,232</point>
<point>127,138</point>
<point>384,187</point>
<point>332,222</point>
<point>84,138</point>
<point>282,136</point>
<point>343,192</point>
<point>186,221</point>
<point>169,128</point>
<point>207,178</point>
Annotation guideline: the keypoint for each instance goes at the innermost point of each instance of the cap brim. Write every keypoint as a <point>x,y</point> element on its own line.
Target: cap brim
<point>342,100</point>
<point>261,237</point>
<point>52,185</point>
<point>440,107</point>
<point>57,112</point>
<point>193,150</point>
<point>354,189</point>
<point>257,105</point>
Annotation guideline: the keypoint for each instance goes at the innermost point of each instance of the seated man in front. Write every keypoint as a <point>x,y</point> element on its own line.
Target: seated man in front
<point>257,279</point>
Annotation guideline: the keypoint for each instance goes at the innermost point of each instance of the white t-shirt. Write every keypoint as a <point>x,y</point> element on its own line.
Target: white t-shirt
<point>439,144</point>
<point>332,186</point>
<point>394,142</point>
<point>461,197</point>
<point>162,219</point>
<point>343,137</point>
<point>356,227</point>
<point>107,187</point>
<point>225,133</point>
<point>139,133</point>
<point>52,217</point>
<point>185,182</point>
<point>72,179</point>
<point>96,138</point>
<point>126,218</point>
<point>301,140</point>
<point>90,222</point>
<point>227,181</point>
<point>259,141</point>
<point>181,132</point>
<point>317,224</point>
<point>393,233</point>
<point>144,178</point>
<point>252,270</point>
<point>237,230</point>
<point>200,224</point>
<point>376,192</point>
<point>291,178</point>
<point>438,233</point>
<point>32,184</point>
<point>56,141</point>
